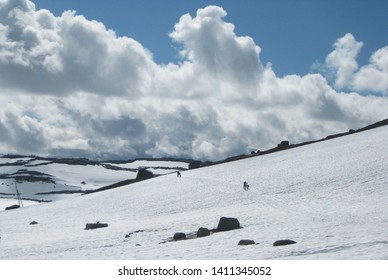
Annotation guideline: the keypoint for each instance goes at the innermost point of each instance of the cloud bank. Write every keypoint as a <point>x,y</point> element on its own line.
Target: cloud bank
<point>71,87</point>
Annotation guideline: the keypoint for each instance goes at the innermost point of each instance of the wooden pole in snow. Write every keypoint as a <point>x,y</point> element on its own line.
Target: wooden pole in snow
<point>20,201</point>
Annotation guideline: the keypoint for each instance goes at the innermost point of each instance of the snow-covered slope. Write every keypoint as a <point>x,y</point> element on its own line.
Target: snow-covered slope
<point>330,197</point>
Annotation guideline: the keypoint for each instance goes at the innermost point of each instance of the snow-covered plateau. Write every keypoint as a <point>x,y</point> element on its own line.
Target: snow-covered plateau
<point>329,197</point>
<point>54,179</point>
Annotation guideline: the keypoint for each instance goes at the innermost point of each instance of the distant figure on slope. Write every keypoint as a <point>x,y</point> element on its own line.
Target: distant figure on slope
<point>178,174</point>
<point>245,186</point>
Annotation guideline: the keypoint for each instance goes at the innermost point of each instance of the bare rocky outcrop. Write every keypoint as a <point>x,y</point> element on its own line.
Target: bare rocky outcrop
<point>16,206</point>
<point>224,224</point>
<point>144,174</point>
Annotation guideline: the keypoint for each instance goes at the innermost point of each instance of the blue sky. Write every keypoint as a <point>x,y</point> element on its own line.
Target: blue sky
<point>292,34</point>
<point>194,79</point>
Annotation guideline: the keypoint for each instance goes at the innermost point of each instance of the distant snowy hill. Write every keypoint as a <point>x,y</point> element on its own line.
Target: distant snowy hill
<point>329,197</point>
<point>44,179</point>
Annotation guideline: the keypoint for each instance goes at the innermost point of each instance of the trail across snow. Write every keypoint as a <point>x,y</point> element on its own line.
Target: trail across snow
<point>330,197</point>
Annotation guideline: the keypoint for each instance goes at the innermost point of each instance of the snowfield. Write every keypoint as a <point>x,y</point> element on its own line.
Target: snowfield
<point>63,180</point>
<point>330,197</point>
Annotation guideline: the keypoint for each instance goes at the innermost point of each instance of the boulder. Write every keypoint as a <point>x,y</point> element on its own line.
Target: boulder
<point>226,224</point>
<point>283,242</point>
<point>95,225</point>
<point>179,236</point>
<point>202,232</point>
<point>284,144</point>
<point>246,242</point>
<point>34,223</point>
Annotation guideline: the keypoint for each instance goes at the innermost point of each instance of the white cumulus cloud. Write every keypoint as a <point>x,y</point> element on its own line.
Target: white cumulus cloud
<point>45,54</point>
<point>343,59</point>
<point>371,77</point>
